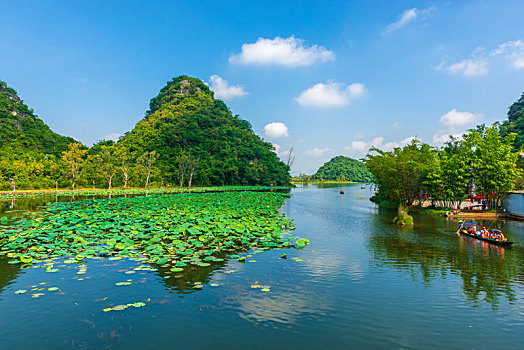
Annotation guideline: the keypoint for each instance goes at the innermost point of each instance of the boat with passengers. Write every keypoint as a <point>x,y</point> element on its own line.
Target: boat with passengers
<point>491,236</point>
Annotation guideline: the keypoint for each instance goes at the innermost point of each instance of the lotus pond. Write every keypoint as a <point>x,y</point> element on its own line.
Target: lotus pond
<point>223,270</point>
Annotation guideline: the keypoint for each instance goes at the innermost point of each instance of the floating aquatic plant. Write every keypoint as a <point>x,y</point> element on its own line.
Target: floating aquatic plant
<point>176,229</point>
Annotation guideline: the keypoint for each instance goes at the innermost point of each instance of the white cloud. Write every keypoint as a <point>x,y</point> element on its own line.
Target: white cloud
<point>480,61</point>
<point>318,152</point>
<point>276,130</point>
<point>331,94</point>
<point>113,136</point>
<point>225,91</point>
<point>407,17</point>
<point>441,137</point>
<point>390,145</point>
<point>276,148</point>
<point>454,123</point>
<point>360,147</point>
<point>512,51</point>
<point>469,67</point>
<point>456,118</point>
<point>289,52</point>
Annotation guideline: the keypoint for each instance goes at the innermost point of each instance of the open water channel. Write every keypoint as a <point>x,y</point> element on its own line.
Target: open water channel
<point>363,283</point>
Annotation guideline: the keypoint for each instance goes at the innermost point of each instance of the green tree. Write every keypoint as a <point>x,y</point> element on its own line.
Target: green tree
<point>107,161</point>
<point>146,162</point>
<point>399,175</point>
<point>124,159</point>
<point>75,158</point>
<point>494,162</point>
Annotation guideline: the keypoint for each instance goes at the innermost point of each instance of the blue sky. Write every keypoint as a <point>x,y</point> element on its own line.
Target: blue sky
<point>324,77</point>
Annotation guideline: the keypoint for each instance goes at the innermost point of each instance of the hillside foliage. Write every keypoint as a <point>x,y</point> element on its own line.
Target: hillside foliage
<point>341,168</point>
<point>185,121</point>
<point>186,138</point>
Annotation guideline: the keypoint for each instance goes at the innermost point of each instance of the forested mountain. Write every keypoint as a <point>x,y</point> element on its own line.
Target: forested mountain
<point>29,150</point>
<point>341,168</point>
<point>185,122</point>
<point>186,138</point>
<point>22,130</point>
<point>515,122</point>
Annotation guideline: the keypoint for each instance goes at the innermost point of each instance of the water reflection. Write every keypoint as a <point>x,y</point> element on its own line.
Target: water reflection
<point>8,273</point>
<point>428,251</point>
<point>184,281</point>
<point>284,307</point>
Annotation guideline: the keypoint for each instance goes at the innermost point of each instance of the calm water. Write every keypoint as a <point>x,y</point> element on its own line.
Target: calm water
<point>363,283</point>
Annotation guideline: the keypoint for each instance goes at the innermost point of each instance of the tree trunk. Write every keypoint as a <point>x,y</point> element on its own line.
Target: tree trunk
<point>110,179</point>
<point>147,178</point>
<point>190,179</point>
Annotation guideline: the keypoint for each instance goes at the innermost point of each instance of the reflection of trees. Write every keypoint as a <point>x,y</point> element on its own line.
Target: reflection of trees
<point>183,281</point>
<point>8,272</point>
<point>487,271</point>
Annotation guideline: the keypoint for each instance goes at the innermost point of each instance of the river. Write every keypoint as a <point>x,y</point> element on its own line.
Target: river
<point>361,283</point>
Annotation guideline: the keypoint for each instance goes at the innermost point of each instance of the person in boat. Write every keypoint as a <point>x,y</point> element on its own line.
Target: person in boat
<point>482,232</point>
<point>499,236</point>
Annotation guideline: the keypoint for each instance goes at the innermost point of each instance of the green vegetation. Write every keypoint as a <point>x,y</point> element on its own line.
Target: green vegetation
<point>136,191</point>
<point>197,139</point>
<point>444,176</point>
<point>341,169</point>
<point>29,150</point>
<point>187,137</point>
<point>515,122</point>
<point>177,229</point>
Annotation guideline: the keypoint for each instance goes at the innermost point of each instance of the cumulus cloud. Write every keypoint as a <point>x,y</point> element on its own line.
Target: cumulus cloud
<point>318,152</point>
<point>456,118</point>
<point>480,61</point>
<point>513,51</point>
<point>331,94</point>
<point>454,123</point>
<point>360,147</point>
<point>407,17</point>
<point>469,67</point>
<point>289,52</point>
<point>442,137</point>
<point>113,136</point>
<point>225,91</point>
<point>276,130</point>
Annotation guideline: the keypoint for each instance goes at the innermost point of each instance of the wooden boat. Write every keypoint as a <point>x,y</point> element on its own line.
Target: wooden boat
<point>362,188</point>
<point>341,191</point>
<point>503,244</point>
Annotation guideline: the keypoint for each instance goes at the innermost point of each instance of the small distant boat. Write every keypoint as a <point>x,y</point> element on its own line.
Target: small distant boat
<point>341,191</point>
<point>464,232</point>
<point>362,188</point>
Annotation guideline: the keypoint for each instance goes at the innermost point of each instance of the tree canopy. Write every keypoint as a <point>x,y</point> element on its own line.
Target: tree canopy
<point>341,168</point>
<point>515,122</point>
<point>446,175</point>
